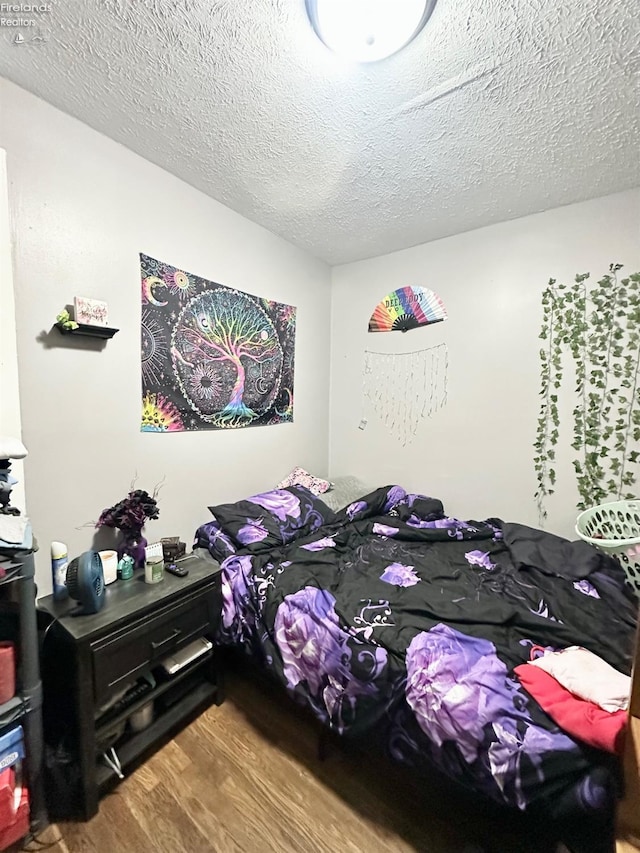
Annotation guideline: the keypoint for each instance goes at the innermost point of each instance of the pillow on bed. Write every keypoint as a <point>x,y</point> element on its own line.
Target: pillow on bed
<point>300,477</point>
<point>217,543</point>
<point>273,518</point>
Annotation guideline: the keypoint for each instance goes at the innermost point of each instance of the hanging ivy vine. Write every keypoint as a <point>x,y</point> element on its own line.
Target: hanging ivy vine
<point>599,327</point>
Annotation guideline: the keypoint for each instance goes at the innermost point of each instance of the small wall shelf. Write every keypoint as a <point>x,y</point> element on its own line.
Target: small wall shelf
<point>104,332</point>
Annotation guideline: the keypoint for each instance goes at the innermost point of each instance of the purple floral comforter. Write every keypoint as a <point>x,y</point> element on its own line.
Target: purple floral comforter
<point>395,618</point>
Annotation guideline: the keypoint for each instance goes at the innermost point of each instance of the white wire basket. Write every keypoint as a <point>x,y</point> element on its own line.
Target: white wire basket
<point>614,528</point>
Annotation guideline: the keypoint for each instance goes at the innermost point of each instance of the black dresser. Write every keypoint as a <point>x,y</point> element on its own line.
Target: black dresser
<point>99,670</point>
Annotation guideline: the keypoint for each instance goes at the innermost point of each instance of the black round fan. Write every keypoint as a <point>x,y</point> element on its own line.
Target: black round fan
<point>85,583</point>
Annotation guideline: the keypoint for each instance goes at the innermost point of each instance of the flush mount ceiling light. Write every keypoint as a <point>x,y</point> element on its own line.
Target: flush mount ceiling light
<point>368,30</point>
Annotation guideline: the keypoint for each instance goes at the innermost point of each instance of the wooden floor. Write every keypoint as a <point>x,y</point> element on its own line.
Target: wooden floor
<point>246,776</point>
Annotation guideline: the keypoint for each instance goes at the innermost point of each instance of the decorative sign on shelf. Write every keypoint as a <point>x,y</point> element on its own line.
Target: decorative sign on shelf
<point>91,312</point>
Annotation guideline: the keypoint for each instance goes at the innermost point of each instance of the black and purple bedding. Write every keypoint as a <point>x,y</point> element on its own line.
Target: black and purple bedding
<point>391,616</point>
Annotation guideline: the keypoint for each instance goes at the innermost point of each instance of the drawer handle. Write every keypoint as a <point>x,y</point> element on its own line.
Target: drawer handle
<point>175,633</point>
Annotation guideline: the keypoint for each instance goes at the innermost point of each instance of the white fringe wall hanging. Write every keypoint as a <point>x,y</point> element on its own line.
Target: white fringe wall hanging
<point>405,387</point>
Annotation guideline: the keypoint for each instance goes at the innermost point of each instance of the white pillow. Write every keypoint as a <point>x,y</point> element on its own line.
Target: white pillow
<point>344,491</point>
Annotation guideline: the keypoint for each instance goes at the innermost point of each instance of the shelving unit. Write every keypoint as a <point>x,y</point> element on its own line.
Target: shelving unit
<point>138,745</point>
<point>12,711</point>
<point>84,330</point>
<point>25,708</point>
<point>111,723</point>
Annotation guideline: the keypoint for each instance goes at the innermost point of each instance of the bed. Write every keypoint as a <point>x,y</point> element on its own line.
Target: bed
<point>390,617</point>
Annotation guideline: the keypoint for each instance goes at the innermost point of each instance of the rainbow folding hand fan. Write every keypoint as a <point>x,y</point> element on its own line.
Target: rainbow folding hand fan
<point>407,308</point>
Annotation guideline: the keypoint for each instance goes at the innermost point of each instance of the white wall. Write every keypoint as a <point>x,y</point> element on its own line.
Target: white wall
<point>82,209</point>
<point>475,454</point>
<point>10,423</point>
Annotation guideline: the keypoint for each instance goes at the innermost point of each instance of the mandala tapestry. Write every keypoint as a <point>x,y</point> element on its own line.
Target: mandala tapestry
<point>212,357</point>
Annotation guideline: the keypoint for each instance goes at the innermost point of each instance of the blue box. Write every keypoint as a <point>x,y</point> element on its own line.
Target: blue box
<point>11,747</point>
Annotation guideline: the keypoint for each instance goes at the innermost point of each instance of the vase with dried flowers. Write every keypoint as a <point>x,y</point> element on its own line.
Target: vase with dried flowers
<point>129,516</point>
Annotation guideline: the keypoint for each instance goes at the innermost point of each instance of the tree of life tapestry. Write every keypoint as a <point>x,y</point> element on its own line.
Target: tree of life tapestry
<point>212,357</point>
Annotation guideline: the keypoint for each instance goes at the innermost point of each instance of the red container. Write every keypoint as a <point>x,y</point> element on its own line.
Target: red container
<point>7,671</point>
<point>14,809</point>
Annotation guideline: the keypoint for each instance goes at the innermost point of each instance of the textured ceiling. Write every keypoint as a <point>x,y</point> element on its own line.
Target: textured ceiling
<point>497,110</point>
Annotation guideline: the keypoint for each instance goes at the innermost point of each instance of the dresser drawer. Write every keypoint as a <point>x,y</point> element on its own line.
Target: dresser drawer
<point>121,657</point>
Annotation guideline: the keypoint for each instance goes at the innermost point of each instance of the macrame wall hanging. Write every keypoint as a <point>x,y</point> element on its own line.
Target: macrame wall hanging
<point>405,387</point>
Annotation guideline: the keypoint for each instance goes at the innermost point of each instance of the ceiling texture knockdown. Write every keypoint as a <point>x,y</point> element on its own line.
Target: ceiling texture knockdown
<point>497,110</point>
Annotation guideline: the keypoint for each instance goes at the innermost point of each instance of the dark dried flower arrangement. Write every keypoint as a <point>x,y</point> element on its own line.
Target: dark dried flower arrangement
<point>132,512</point>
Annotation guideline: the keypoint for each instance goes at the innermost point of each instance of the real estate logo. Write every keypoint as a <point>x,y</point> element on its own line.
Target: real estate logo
<point>23,23</point>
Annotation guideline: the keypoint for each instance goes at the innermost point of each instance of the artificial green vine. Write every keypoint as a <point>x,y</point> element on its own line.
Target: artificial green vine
<point>600,327</point>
